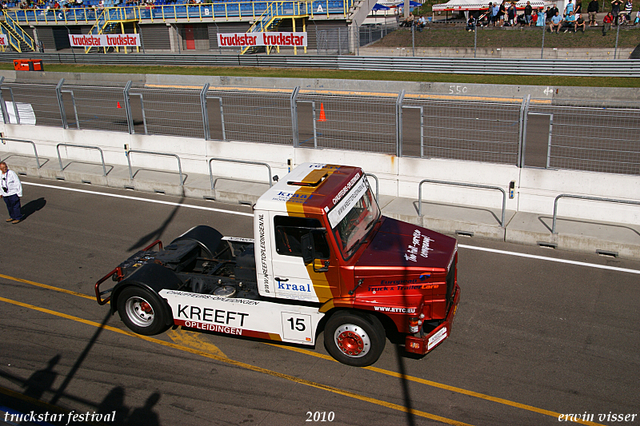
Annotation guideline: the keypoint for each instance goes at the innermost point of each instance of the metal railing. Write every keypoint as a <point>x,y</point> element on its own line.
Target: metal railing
<point>200,12</point>
<point>20,32</point>
<point>24,141</point>
<point>468,185</point>
<point>254,163</point>
<point>501,66</point>
<point>584,197</point>
<point>104,168</point>
<point>598,136</point>
<point>368,175</point>
<point>128,155</point>
<point>5,112</point>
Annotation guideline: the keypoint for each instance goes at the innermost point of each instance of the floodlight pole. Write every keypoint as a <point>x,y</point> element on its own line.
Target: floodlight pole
<point>544,30</point>
<point>615,52</point>
<point>475,39</point>
<point>413,38</point>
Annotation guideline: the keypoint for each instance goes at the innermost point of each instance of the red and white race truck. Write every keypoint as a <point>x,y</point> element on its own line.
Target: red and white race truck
<point>323,259</point>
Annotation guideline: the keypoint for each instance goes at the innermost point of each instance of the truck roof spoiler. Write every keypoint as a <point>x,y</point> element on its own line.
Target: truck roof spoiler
<point>315,178</point>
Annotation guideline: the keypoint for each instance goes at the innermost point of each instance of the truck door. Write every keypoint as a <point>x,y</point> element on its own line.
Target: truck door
<point>294,279</point>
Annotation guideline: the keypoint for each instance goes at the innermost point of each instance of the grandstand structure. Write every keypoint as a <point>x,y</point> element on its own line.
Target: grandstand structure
<point>169,26</point>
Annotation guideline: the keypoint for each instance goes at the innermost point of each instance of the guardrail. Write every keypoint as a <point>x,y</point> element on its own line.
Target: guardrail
<point>104,168</point>
<point>584,197</point>
<point>254,163</point>
<point>129,151</point>
<point>502,66</point>
<point>468,185</point>
<point>24,141</point>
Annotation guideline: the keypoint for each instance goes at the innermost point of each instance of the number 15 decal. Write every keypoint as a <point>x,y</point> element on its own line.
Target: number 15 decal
<point>299,324</point>
<point>297,327</point>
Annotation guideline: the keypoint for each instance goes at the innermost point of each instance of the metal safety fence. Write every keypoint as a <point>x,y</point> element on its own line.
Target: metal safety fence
<point>368,34</point>
<point>553,134</point>
<point>250,116</point>
<point>357,123</point>
<point>591,137</point>
<point>491,66</point>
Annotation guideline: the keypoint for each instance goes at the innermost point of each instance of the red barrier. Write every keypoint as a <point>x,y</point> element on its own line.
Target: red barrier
<point>28,65</point>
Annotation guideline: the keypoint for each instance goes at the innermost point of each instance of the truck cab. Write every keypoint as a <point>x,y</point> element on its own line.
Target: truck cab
<point>323,259</point>
<point>308,233</point>
<point>323,231</point>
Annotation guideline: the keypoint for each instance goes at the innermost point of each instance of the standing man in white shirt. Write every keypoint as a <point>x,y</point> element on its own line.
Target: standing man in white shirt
<point>11,192</point>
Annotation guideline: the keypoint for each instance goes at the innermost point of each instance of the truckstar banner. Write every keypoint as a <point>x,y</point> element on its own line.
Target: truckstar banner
<point>4,40</point>
<point>262,39</point>
<point>104,40</point>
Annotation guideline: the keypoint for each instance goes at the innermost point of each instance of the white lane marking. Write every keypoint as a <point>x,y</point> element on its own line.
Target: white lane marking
<point>126,197</point>
<point>551,259</point>
<point>508,253</point>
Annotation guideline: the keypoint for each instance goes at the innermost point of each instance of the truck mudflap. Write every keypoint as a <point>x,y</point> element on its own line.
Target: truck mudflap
<point>424,344</point>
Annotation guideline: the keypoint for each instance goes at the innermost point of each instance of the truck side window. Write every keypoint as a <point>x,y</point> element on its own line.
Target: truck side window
<point>289,231</point>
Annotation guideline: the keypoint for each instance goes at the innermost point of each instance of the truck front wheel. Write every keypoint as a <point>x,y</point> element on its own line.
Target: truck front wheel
<point>355,339</point>
<point>141,311</point>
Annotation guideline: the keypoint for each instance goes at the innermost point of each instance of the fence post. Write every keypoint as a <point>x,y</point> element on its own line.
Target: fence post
<point>294,117</point>
<point>127,106</point>
<point>475,38</point>
<point>544,30</point>
<point>205,111</point>
<point>413,39</point>
<point>3,106</point>
<point>399,123</point>
<point>615,52</point>
<point>63,115</point>
<point>15,106</point>
<point>522,136</point>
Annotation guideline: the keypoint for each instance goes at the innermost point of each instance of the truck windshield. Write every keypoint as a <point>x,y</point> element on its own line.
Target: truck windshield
<point>353,218</point>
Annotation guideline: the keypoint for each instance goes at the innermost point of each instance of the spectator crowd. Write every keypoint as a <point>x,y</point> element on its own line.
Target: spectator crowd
<point>572,18</point>
<point>63,4</point>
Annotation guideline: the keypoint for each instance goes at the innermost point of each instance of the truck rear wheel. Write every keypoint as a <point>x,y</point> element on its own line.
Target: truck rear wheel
<point>355,339</point>
<point>141,311</point>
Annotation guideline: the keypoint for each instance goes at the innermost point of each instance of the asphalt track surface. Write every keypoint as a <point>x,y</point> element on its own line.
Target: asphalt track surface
<point>538,334</point>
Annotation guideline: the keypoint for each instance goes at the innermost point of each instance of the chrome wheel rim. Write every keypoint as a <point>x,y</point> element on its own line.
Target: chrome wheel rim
<point>352,340</point>
<point>139,311</point>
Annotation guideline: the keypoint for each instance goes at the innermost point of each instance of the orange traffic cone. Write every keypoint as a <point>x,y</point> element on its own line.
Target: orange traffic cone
<point>119,104</point>
<point>322,116</point>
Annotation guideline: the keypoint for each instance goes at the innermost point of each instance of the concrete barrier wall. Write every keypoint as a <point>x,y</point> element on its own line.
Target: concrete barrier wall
<point>398,177</point>
<point>504,52</point>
